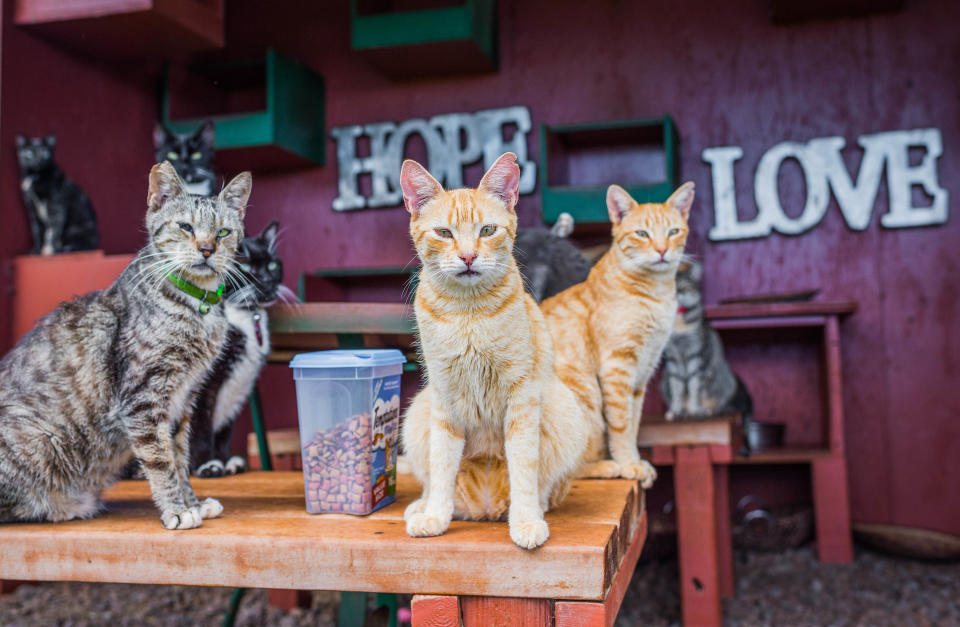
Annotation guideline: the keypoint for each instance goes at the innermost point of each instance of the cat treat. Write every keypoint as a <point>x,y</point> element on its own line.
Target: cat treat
<point>336,468</point>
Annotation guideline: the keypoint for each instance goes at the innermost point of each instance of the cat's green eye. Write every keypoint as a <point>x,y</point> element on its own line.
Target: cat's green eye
<point>195,156</point>
<point>223,233</point>
<point>488,230</point>
<point>643,234</point>
<point>245,267</point>
<point>444,232</point>
<point>172,156</point>
<point>186,227</point>
<point>272,266</point>
<point>672,232</point>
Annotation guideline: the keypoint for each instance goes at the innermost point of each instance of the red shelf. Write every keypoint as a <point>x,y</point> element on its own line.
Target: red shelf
<point>126,28</point>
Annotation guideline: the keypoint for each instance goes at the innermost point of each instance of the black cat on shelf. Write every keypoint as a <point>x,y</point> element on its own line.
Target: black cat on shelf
<point>191,155</point>
<point>61,215</point>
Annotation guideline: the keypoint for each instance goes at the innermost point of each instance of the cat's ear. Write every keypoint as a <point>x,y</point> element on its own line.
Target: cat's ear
<point>682,199</point>
<point>165,183</point>
<point>206,133</point>
<point>696,272</point>
<point>160,134</point>
<point>269,234</point>
<point>237,192</point>
<point>502,180</point>
<point>21,140</point>
<point>418,186</point>
<point>51,141</point>
<point>619,203</point>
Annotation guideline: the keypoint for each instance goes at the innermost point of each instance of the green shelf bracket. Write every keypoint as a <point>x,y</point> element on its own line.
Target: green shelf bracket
<point>587,203</point>
<point>290,130</point>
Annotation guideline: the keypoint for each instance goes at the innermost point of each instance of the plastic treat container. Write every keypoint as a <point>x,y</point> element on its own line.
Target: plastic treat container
<point>348,402</point>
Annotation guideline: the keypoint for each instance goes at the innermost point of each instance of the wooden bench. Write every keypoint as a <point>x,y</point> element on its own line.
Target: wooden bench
<point>266,539</point>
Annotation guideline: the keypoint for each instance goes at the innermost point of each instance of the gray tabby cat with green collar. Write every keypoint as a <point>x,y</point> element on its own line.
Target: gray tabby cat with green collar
<point>113,373</point>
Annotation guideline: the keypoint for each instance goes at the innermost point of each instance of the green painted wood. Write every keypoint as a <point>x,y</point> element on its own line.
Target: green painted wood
<point>473,22</point>
<point>587,204</point>
<point>294,120</point>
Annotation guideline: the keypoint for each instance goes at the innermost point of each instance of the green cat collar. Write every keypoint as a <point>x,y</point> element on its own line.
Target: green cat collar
<point>207,298</point>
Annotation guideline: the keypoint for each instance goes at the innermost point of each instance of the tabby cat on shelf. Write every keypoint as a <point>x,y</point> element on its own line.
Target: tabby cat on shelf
<point>697,381</point>
<point>610,330</point>
<point>548,261</point>
<point>115,370</point>
<point>235,371</point>
<point>494,431</point>
<point>190,153</point>
<point>60,213</point>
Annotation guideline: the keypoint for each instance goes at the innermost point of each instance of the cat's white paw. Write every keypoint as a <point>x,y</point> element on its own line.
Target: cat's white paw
<point>212,468</point>
<point>187,519</point>
<point>529,534</point>
<point>669,416</point>
<point>421,525</point>
<point>644,472</point>
<point>210,508</point>
<point>415,508</point>
<point>235,465</point>
<point>603,469</point>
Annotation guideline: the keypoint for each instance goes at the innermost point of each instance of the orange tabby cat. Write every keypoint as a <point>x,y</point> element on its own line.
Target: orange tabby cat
<point>610,330</point>
<point>494,430</point>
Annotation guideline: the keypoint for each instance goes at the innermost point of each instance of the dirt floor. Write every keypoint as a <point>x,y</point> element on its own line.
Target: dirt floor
<point>789,588</point>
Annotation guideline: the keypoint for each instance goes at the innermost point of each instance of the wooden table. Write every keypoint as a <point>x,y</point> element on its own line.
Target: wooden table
<point>267,540</point>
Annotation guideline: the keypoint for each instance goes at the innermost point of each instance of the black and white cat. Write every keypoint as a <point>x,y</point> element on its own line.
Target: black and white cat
<point>548,261</point>
<point>235,371</point>
<point>697,380</point>
<point>191,155</point>
<point>61,215</point>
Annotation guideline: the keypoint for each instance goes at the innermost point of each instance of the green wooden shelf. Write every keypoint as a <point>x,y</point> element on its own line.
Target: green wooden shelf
<point>579,161</point>
<point>285,128</point>
<point>419,38</point>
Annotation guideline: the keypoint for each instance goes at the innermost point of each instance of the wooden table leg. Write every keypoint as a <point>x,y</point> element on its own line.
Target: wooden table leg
<point>831,509</point>
<point>721,476</point>
<point>435,611</point>
<point>697,536</point>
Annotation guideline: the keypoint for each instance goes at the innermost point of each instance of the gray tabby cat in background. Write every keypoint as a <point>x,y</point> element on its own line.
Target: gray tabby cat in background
<point>117,369</point>
<point>697,381</point>
<point>548,261</point>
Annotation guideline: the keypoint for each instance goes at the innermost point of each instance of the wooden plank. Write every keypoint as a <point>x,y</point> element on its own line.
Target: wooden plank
<point>654,431</point>
<point>335,318</point>
<point>580,614</point>
<point>831,509</point>
<point>697,536</point>
<point>267,540</point>
<point>721,476</point>
<point>435,611</point>
<point>501,612</point>
<point>762,310</point>
<point>286,600</point>
<point>771,322</point>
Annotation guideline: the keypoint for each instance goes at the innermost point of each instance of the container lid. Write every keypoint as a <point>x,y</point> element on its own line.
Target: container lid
<point>362,358</point>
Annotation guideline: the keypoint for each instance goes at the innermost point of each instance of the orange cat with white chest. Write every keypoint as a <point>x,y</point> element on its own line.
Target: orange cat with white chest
<point>494,432</point>
<point>610,330</point>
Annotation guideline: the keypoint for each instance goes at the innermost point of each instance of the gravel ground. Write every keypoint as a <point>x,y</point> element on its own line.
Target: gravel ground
<point>789,588</point>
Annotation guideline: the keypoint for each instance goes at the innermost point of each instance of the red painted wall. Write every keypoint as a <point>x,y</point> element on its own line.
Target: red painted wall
<point>728,77</point>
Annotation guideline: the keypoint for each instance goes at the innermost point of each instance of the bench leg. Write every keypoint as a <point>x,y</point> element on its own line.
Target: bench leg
<point>496,611</point>
<point>435,611</point>
<point>721,476</point>
<point>831,509</point>
<point>286,600</point>
<point>581,614</point>
<point>697,536</point>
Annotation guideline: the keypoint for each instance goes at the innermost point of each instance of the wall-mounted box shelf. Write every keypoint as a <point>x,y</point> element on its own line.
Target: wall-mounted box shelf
<point>418,38</point>
<point>268,114</point>
<point>118,29</point>
<point>579,161</point>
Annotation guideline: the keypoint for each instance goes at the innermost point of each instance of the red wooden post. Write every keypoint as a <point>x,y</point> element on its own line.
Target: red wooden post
<point>286,600</point>
<point>830,492</point>
<point>435,611</point>
<point>697,536</point>
<point>501,612</point>
<point>581,614</point>
<point>721,477</point>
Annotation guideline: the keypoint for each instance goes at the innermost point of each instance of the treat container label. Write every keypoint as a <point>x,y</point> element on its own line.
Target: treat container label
<point>348,404</point>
